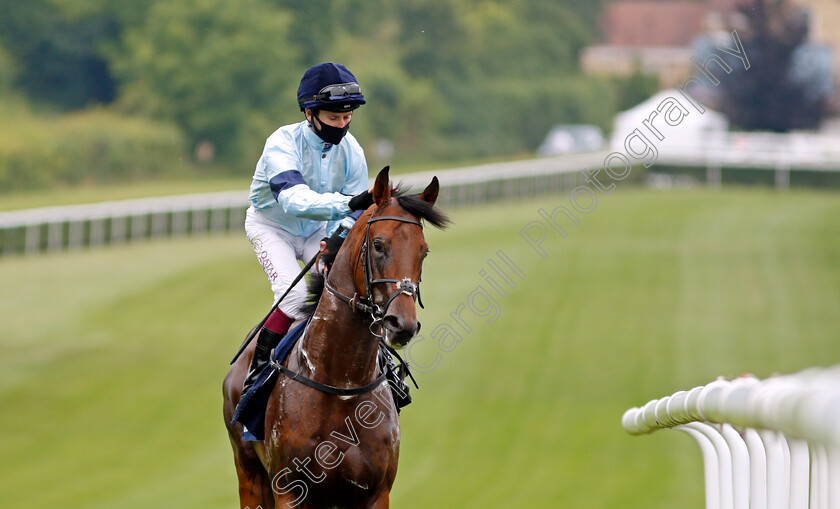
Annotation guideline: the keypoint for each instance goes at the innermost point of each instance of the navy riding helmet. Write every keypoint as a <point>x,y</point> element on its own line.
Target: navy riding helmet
<point>330,87</point>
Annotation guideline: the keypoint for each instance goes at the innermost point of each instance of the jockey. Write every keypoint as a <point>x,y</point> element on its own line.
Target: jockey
<point>309,179</point>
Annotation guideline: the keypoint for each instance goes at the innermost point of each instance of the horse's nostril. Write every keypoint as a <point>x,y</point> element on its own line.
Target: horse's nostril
<point>393,323</point>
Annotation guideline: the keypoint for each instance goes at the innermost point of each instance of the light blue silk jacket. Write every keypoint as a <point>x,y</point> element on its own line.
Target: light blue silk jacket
<point>301,182</point>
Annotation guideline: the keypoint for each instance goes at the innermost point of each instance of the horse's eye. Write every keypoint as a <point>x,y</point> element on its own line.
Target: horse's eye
<point>378,246</point>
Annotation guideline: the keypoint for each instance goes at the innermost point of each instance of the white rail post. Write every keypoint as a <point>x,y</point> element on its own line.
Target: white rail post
<point>75,234</point>
<point>714,175</point>
<point>118,229</point>
<point>33,238</point>
<point>782,176</point>
<point>758,468</point>
<point>97,232</point>
<point>159,224</point>
<point>199,221</point>
<point>180,222</point>
<point>139,227</point>
<point>55,234</point>
<point>771,443</point>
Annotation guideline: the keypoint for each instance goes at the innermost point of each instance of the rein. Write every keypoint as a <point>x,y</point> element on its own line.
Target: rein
<point>366,305</point>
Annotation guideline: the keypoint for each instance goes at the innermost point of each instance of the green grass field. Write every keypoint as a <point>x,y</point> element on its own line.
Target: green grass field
<point>111,360</point>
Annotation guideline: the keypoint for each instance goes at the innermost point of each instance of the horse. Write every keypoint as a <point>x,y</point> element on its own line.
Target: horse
<point>332,433</point>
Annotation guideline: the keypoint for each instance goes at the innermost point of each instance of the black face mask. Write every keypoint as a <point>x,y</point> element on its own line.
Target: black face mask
<point>329,133</point>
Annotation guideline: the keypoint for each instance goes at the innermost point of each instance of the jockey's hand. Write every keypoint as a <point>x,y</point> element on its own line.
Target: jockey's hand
<point>361,201</point>
<point>333,244</point>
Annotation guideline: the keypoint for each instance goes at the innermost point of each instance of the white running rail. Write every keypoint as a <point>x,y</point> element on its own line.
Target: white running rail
<point>772,443</point>
<point>33,231</point>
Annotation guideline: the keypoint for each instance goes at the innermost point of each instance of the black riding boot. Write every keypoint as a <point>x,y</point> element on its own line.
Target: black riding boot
<point>266,341</point>
<point>395,378</point>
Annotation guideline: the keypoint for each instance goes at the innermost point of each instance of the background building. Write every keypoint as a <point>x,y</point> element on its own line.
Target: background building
<point>655,37</point>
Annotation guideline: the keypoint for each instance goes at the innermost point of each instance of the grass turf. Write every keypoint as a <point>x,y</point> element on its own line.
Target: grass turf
<point>111,360</point>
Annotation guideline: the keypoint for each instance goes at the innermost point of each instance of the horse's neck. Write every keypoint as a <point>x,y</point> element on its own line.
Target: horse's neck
<point>338,348</point>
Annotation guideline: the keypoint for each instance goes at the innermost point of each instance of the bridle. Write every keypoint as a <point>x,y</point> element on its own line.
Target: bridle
<point>365,304</point>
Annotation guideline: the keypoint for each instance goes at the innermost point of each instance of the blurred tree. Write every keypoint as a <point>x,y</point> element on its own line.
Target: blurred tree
<point>551,35</point>
<point>400,107</point>
<point>8,69</point>
<point>774,94</point>
<point>364,17</point>
<point>431,37</point>
<point>484,39</point>
<point>635,88</point>
<point>513,115</point>
<point>225,72</point>
<point>587,12</point>
<point>498,65</point>
<point>313,27</point>
<point>445,79</point>
<point>59,57</point>
<point>122,13</point>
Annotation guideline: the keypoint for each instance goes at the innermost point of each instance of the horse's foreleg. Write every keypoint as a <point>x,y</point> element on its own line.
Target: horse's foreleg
<point>254,489</point>
<point>254,484</point>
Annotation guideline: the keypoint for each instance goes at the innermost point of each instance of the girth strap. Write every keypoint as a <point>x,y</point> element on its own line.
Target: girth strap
<point>329,389</point>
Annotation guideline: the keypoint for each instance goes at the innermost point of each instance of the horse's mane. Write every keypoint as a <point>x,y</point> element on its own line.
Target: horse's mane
<point>411,203</point>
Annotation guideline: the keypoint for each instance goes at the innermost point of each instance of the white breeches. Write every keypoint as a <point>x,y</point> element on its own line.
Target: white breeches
<point>278,252</point>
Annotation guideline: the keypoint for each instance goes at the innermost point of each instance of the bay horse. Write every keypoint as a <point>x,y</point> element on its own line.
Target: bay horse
<point>332,435</point>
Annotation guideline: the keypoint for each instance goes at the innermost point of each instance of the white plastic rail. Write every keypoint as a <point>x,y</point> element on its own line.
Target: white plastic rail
<point>772,443</point>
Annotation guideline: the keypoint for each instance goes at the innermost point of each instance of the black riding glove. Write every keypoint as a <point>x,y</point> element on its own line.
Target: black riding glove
<point>333,244</point>
<point>361,201</point>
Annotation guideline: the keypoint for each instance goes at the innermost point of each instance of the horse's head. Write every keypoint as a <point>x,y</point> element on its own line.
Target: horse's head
<point>391,248</point>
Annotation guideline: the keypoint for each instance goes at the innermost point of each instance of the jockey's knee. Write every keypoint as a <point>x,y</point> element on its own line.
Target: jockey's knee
<point>294,302</point>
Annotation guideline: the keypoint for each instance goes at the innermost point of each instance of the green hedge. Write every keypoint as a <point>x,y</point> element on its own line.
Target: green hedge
<point>91,146</point>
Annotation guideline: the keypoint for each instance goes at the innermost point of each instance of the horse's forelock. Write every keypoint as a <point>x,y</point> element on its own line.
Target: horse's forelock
<point>413,204</point>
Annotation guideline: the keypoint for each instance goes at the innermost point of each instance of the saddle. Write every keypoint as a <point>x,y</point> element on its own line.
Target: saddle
<point>250,411</point>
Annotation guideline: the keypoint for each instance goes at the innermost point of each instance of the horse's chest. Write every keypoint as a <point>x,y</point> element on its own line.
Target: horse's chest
<point>351,446</point>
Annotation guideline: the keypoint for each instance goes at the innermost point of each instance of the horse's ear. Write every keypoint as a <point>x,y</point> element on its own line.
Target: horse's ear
<point>430,194</point>
<point>382,188</point>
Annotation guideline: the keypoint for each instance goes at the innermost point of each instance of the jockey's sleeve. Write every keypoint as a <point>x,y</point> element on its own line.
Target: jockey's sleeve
<point>297,199</point>
<point>348,222</point>
<point>357,182</point>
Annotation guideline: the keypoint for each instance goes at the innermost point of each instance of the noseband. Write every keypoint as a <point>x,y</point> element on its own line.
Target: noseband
<point>365,303</point>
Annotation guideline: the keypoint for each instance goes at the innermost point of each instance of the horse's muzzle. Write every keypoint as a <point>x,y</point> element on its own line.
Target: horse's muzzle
<point>398,332</point>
